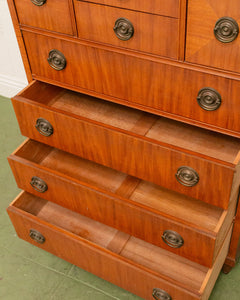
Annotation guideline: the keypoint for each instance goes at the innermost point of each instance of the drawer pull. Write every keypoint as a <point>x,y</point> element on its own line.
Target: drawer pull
<point>209,99</point>
<point>38,184</point>
<point>39,2</point>
<point>36,236</point>
<point>123,29</point>
<point>187,176</point>
<point>44,127</point>
<point>172,239</point>
<point>226,30</point>
<point>56,60</point>
<point>159,294</point>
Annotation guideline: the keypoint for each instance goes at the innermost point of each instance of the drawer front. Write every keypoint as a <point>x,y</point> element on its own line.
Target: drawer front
<point>161,7</point>
<point>215,41</point>
<point>52,15</point>
<point>117,212</point>
<point>159,164</point>
<point>127,29</point>
<point>114,261</point>
<point>141,83</point>
<point>95,261</point>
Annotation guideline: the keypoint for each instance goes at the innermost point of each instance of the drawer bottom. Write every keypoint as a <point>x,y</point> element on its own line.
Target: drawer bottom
<point>128,262</point>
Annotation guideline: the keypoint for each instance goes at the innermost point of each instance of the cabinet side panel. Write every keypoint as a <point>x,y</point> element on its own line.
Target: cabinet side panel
<point>21,44</point>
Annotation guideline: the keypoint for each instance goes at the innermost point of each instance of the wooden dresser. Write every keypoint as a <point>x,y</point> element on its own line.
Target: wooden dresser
<point>131,167</point>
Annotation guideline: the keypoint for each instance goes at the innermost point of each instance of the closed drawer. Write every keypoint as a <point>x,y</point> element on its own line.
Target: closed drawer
<point>128,29</point>
<point>110,254</point>
<point>54,15</point>
<point>184,94</point>
<point>136,207</point>
<point>189,160</point>
<point>215,41</point>
<point>161,7</point>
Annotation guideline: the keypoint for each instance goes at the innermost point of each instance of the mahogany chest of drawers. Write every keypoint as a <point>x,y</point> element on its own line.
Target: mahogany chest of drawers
<point>131,167</point>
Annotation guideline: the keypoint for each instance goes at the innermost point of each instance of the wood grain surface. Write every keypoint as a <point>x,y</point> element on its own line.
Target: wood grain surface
<point>202,46</point>
<point>98,182</point>
<point>161,7</point>
<point>154,34</point>
<point>181,278</point>
<point>234,249</point>
<point>204,143</point>
<point>136,81</point>
<point>146,211</point>
<point>20,41</point>
<point>129,153</point>
<point>53,15</point>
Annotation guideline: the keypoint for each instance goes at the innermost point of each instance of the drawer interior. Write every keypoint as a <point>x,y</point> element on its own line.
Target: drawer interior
<point>142,193</point>
<point>157,129</point>
<point>136,251</point>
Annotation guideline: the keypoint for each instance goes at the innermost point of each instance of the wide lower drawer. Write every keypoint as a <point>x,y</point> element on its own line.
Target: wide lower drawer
<point>128,29</point>
<point>161,7</point>
<point>51,15</point>
<point>189,160</point>
<point>136,207</point>
<point>110,254</point>
<point>167,89</point>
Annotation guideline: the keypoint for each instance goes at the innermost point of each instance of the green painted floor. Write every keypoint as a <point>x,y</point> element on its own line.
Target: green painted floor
<point>29,273</point>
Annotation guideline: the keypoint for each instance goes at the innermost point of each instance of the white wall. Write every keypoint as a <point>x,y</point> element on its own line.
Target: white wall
<point>12,75</point>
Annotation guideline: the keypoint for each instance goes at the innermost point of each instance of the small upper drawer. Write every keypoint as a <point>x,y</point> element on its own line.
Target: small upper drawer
<point>128,29</point>
<point>54,15</point>
<point>215,40</point>
<point>186,159</point>
<point>161,7</point>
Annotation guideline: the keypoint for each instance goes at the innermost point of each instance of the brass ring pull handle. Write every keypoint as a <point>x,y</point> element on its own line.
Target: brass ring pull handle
<point>123,29</point>
<point>56,60</point>
<point>39,2</point>
<point>36,236</point>
<point>172,239</point>
<point>187,176</point>
<point>38,184</point>
<point>44,127</point>
<point>209,99</point>
<point>159,294</point>
<point>226,30</point>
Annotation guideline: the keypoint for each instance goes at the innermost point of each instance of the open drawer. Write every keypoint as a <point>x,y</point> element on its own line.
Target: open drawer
<point>126,261</point>
<point>180,224</point>
<point>184,158</point>
<point>174,90</point>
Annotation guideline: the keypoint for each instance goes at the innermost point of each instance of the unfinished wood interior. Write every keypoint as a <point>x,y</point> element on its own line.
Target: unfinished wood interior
<point>158,129</point>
